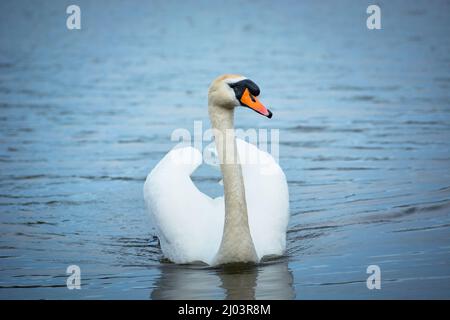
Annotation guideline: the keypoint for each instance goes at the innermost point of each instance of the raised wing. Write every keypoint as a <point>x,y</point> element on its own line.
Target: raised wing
<point>189,223</point>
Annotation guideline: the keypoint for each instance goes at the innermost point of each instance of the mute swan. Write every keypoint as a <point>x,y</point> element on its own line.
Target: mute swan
<point>245,225</point>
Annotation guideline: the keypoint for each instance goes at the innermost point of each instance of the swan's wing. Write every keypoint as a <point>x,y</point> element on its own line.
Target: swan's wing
<point>189,223</point>
<point>267,198</point>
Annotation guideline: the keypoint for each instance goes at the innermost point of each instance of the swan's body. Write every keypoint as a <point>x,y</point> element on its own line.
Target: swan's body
<point>244,226</point>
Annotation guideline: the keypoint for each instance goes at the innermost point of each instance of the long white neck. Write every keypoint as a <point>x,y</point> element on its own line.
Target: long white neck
<point>237,244</point>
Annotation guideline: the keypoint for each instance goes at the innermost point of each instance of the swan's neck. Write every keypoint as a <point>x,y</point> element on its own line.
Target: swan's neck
<point>237,244</point>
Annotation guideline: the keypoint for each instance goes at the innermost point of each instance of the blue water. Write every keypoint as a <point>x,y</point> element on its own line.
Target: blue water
<point>364,119</point>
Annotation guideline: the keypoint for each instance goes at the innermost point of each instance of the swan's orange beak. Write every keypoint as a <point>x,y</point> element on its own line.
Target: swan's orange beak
<point>252,102</point>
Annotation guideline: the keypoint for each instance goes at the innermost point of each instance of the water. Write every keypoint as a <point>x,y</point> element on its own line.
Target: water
<point>364,119</point>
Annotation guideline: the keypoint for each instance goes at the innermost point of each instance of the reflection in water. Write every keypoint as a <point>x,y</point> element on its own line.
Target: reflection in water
<point>266,281</point>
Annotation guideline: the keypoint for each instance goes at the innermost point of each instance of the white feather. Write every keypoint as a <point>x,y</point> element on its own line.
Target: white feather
<point>190,224</point>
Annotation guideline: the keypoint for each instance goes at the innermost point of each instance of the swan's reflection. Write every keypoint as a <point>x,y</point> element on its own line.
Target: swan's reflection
<point>266,281</point>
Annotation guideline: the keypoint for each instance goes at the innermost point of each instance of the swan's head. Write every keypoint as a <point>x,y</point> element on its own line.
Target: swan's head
<point>230,91</point>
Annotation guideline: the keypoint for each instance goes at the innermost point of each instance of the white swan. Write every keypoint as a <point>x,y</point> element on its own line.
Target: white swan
<point>245,225</point>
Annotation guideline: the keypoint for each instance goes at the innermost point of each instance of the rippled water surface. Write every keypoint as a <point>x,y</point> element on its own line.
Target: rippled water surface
<point>364,119</point>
